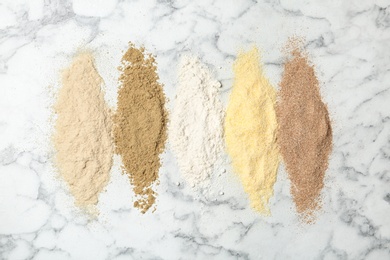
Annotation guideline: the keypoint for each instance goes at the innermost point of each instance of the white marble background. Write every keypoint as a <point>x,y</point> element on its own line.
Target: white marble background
<point>347,40</point>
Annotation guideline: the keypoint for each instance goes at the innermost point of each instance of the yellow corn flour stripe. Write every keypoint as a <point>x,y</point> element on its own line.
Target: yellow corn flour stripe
<point>250,130</point>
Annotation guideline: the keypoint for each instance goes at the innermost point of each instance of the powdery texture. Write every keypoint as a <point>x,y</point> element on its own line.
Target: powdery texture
<point>250,130</point>
<point>196,127</point>
<point>305,134</point>
<point>82,136</point>
<point>140,124</point>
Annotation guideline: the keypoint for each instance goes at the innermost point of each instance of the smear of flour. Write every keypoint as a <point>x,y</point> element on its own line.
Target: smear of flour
<point>140,124</point>
<point>196,126</point>
<point>250,130</point>
<point>82,136</point>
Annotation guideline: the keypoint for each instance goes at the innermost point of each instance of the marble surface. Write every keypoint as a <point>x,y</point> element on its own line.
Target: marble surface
<point>348,41</point>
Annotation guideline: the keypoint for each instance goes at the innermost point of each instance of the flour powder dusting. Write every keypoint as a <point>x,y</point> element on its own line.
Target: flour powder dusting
<point>82,136</point>
<point>305,131</point>
<point>250,130</point>
<point>196,127</point>
<point>140,124</point>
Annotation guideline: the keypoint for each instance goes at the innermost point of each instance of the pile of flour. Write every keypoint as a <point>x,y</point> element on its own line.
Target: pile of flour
<point>196,125</point>
<point>82,137</point>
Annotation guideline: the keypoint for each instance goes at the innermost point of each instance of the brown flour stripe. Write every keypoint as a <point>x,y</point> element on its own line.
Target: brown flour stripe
<point>140,124</point>
<point>305,133</point>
